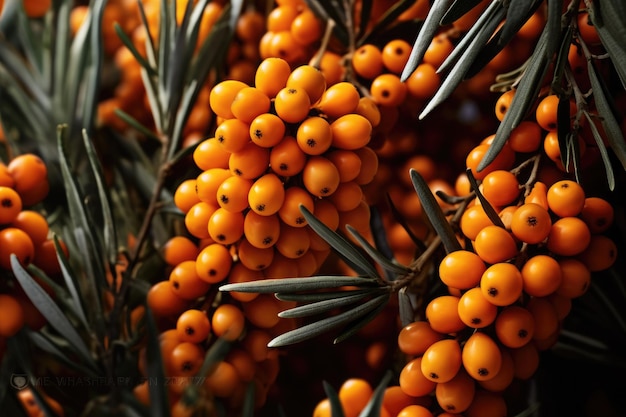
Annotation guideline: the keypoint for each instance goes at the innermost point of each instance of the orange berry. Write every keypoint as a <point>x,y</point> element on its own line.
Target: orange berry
<point>395,55</point>
<point>481,356</point>
<point>266,130</point>
<point>287,158</point>
<point>292,104</point>
<point>598,214</point>
<point>12,315</point>
<point>441,361</point>
<point>456,395</point>
<point>443,315</point>
<point>14,241</point>
<point>413,381</point>
<point>576,278</point>
<point>531,223</point>
<point>314,135</point>
<point>541,275</point>
<point>423,82</point>
<point>222,96</point>
<point>500,187</point>
<point>193,326</point>
<point>416,337</point>
<point>320,176</point>
<point>185,281</point>
<point>502,284</point>
<point>266,195</point>
<point>367,61</point>
<point>339,99</point>
<point>515,326</point>
<point>309,79</point>
<point>494,244</point>
<point>600,254</point>
<point>387,90</point>
<point>10,205</point>
<point>228,322</point>
<point>461,269</point>
<point>475,310</point>
<point>566,198</point>
<point>351,131</point>
<point>271,75</point>
<point>568,236</point>
<point>213,263</point>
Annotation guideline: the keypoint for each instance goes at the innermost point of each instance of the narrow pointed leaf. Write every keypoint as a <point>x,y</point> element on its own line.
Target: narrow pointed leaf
<point>135,124</point>
<point>485,204</point>
<point>70,282</point>
<point>377,255</point>
<point>317,328</point>
<point>48,346</point>
<point>405,307</point>
<point>388,18</point>
<point>372,409</point>
<point>343,247</point>
<point>313,297</point>
<point>553,26</point>
<point>215,354</point>
<point>248,407</point>
<point>322,306</point>
<point>403,222</point>
<point>434,213</point>
<point>336,409</point>
<point>128,43</point>
<point>525,96</point>
<point>458,9</point>
<point>159,404</point>
<point>110,233</point>
<point>612,128</point>
<point>353,327</point>
<point>277,285</point>
<point>425,36</point>
<point>48,308</point>
<point>610,176</point>
<point>610,27</point>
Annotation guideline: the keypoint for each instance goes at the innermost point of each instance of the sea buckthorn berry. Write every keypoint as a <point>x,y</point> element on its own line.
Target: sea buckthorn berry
<point>487,404</point>
<point>339,99</point>
<point>354,394</point>
<point>546,112</point>
<point>369,165</point>
<point>249,103</point>
<point>461,269</point>
<point>285,46</point>
<point>228,322</point>
<point>262,312</point>
<point>587,30</point>
<point>473,220</point>
<point>320,176</point>
<point>292,104</point>
<point>515,326</point>
<point>503,103</point>
<point>193,326</point>
<point>494,244</point>
<point>538,195</point>
<point>388,90</point>
<point>232,194</point>
<point>367,108</point>
<point>503,379</point>
<point>223,380</point>
<point>185,281</point>
<point>163,302</point>
<point>213,263</point>
<point>293,242</point>
<point>250,162</point>
<point>456,395</point>
<point>207,183</point>
<point>367,61</point>
<point>185,195</point>
<point>541,275</point>
<point>566,198</point>
<point>266,195</point>
<point>545,317</point>
<point>438,50</point>
<point>358,218</point>
<point>186,359</point>
<point>18,242</point>
<point>240,273</point>
<point>271,75</point>
<point>443,315</point>
<point>475,310</point>
<point>306,28</point>
<point>232,135</point>
<point>601,253</point>
<point>10,205</point>
<point>531,223</point>
<point>568,236</point>
<point>504,160</point>
<point>250,26</point>
<point>347,162</point>
<point>290,212</point>
<point>28,171</point>
<point>414,410</point>
<point>287,158</point>
<point>261,231</point>
<point>12,315</point>
<point>441,361</point>
<point>481,356</point>
<point>280,18</point>
<point>395,55</point>
<point>254,258</point>
<point>351,131</point>
<point>500,187</point>
<point>423,82</point>
<point>309,79</point>
<point>416,337</point>
<point>412,380</point>
<point>526,361</point>
<point>332,66</point>
<point>576,278</point>
<point>197,218</point>
<point>347,196</point>
<point>502,284</point>
<point>598,214</point>
<point>225,227</point>
<point>6,180</point>
<point>266,130</point>
<point>395,400</point>
<point>314,135</point>
<point>222,96</point>
<point>209,154</point>
<point>34,224</point>
<point>526,137</point>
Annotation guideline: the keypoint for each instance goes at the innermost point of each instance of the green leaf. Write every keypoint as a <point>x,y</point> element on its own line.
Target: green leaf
<point>318,296</point>
<point>215,354</point>
<point>323,306</point>
<point>343,247</point>
<point>554,27</point>
<point>381,259</point>
<point>22,73</point>
<point>484,30</point>
<point>405,307</point>
<point>433,212</point>
<point>611,32</point>
<point>248,407</point>
<point>336,409</point>
<point>40,340</point>
<point>458,9</point>
<point>331,10</point>
<point>317,328</point>
<point>425,36</point>
<point>523,99</point>
<point>48,308</point>
<point>609,122</point>
<point>71,282</point>
<point>277,285</point>
<point>610,176</point>
<point>110,232</point>
<point>353,327</point>
<point>372,409</point>
<point>159,403</point>
<point>485,204</point>
<point>128,43</point>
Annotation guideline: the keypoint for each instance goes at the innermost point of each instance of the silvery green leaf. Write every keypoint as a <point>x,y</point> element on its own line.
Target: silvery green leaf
<point>485,204</point>
<point>311,297</point>
<point>353,327</point>
<point>372,409</point>
<point>322,306</point>
<point>381,259</point>
<point>608,167</point>
<point>283,285</point>
<point>333,397</point>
